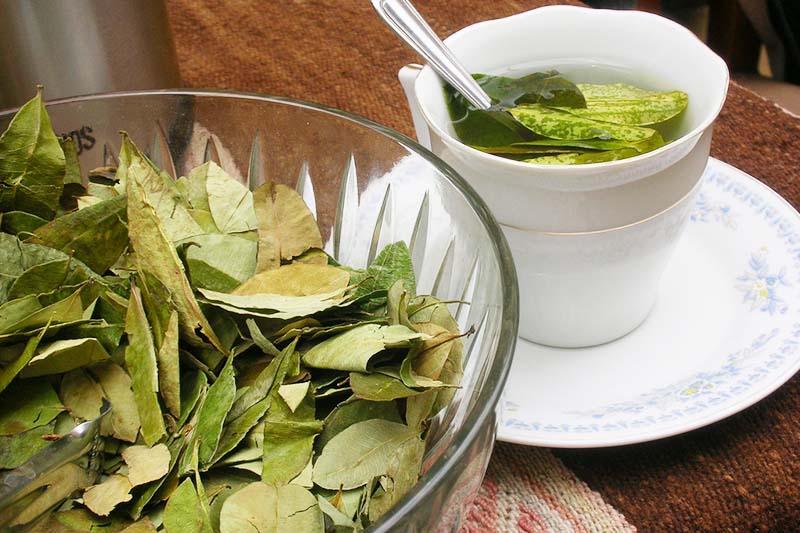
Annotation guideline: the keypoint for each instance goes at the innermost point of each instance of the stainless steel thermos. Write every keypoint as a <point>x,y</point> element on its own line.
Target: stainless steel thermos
<point>76,47</point>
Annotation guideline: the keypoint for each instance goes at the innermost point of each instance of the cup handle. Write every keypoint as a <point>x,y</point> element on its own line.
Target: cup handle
<point>407,76</point>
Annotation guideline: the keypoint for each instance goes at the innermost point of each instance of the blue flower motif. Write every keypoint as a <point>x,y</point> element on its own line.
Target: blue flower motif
<point>760,286</point>
<point>706,211</point>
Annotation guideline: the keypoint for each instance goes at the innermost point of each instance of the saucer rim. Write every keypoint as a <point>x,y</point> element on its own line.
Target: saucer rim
<point>656,432</point>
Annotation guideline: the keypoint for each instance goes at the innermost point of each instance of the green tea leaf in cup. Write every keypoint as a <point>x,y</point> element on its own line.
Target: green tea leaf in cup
<point>546,88</point>
<point>558,124</point>
<point>625,104</point>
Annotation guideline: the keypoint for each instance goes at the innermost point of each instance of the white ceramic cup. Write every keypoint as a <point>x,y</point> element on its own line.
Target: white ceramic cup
<point>604,46</point>
<point>577,230</point>
<point>583,289</point>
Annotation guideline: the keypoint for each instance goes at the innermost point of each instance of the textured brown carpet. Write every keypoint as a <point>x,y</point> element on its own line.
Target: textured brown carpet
<point>741,474</point>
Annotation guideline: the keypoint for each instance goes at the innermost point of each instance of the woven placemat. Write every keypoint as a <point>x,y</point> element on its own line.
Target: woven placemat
<point>741,474</point>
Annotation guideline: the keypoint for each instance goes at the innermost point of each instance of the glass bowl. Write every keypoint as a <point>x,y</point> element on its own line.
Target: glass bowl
<point>368,186</point>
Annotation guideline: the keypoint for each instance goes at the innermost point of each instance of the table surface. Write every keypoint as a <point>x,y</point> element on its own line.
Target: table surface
<point>739,474</point>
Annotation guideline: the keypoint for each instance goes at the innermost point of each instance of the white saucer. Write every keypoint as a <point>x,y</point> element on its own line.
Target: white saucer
<point>724,333</point>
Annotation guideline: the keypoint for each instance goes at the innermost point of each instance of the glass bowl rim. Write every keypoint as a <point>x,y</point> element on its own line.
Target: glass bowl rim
<point>488,396</point>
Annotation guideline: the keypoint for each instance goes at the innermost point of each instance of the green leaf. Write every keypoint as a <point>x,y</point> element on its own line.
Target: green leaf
<point>78,521</point>
<point>32,163</point>
<point>558,124</point>
<point>362,452</point>
<point>169,371</point>
<point>193,386</point>
<point>352,350</point>
<point>21,223</point>
<point>154,252</point>
<point>403,470</point>
<point>193,188</point>
<point>267,381</point>
<point>288,439</point>
<point>286,227</point>
<point>274,305</point>
<point>183,513</point>
<point>143,525</point>
<point>143,498</point>
<point>72,165</point>
<point>64,355</point>
<point>10,371</point>
<point>104,497</point>
<point>230,202</point>
<point>349,412</point>
<point>81,395</point>
<point>28,403</point>
<point>379,387</point>
<point>549,146</point>
<point>482,128</point>
<point>158,190</point>
<point>53,280</point>
<point>96,235</point>
<point>296,279</point>
<point>294,393</point>
<point>260,340</point>
<point>220,262</point>
<point>146,464</point>
<point>656,141</point>
<point>123,421</point>
<point>392,264</point>
<point>625,104</point>
<point>260,507</point>
<point>337,517</point>
<point>18,448</point>
<point>211,416</point>
<point>546,88</point>
<point>250,407</point>
<point>17,259</point>
<point>141,362</point>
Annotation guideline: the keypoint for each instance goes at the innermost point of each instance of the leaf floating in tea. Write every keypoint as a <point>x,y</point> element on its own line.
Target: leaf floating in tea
<point>560,125</point>
<point>546,88</point>
<point>624,104</point>
<point>563,123</point>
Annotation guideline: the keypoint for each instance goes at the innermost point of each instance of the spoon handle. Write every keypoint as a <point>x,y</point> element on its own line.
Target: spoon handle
<point>409,25</point>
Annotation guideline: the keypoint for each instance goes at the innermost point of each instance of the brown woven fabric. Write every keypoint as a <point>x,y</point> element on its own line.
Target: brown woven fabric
<point>741,474</point>
<point>334,52</point>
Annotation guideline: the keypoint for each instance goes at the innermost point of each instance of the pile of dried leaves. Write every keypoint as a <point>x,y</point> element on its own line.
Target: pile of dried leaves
<point>255,384</point>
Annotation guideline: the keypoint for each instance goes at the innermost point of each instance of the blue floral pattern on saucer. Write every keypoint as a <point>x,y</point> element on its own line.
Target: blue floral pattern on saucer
<point>754,234</point>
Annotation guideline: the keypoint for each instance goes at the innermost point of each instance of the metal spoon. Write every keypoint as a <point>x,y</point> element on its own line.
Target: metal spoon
<point>17,483</point>
<point>409,25</point>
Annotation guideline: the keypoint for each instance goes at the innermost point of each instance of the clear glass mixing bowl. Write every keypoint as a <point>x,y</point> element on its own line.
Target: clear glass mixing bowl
<point>368,186</point>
